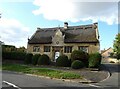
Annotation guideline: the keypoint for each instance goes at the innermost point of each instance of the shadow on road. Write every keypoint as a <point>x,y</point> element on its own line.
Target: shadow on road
<point>112,67</point>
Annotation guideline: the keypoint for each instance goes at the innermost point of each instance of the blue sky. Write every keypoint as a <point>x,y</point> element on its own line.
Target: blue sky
<point>20,19</point>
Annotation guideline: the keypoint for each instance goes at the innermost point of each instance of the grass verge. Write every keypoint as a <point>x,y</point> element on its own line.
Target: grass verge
<point>41,71</point>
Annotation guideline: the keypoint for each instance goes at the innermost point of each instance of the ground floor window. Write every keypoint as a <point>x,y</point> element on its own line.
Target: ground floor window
<point>46,48</point>
<point>83,48</point>
<point>67,49</point>
<point>36,49</point>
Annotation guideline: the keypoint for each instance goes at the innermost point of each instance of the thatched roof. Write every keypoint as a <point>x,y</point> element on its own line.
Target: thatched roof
<point>73,34</point>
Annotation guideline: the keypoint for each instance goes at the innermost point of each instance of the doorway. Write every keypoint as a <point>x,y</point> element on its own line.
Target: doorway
<point>57,54</point>
<point>57,51</point>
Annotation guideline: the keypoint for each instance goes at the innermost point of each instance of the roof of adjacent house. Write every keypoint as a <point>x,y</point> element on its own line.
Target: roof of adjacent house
<point>73,34</point>
<point>107,50</point>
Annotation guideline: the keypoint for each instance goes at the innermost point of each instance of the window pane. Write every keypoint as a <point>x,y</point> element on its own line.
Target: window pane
<point>36,49</point>
<point>83,48</point>
<point>67,49</point>
<point>46,48</point>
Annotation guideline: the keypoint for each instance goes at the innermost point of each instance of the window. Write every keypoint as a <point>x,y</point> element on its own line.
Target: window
<point>36,49</point>
<point>46,48</point>
<point>67,49</point>
<point>83,48</point>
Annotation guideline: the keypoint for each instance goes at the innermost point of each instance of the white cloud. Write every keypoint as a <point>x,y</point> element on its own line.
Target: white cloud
<point>12,32</point>
<point>69,10</point>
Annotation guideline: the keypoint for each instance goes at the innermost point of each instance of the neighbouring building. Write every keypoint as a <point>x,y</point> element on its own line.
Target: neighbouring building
<point>106,53</point>
<point>63,40</point>
<point>107,57</point>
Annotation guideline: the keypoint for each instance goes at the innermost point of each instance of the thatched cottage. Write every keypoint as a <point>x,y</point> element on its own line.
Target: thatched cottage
<point>63,40</point>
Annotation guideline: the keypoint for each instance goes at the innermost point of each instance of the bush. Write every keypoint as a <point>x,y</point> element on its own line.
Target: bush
<point>28,58</point>
<point>14,55</point>
<point>43,60</point>
<point>63,61</point>
<point>94,60</point>
<point>80,55</point>
<point>35,59</point>
<point>77,64</point>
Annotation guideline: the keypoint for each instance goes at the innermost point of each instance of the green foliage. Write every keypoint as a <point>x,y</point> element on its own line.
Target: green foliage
<point>21,49</point>
<point>77,64</point>
<point>13,55</point>
<point>94,60</point>
<point>63,61</point>
<point>10,52</point>
<point>8,48</point>
<point>43,60</point>
<point>117,46</point>
<point>41,71</point>
<point>35,59</point>
<point>80,55</point>
<point>28,58</point>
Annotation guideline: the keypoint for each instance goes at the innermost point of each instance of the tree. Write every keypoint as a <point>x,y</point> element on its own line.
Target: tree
<point>117,46</point>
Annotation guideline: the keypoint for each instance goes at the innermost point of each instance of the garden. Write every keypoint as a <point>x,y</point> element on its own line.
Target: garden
<point>35,64</point>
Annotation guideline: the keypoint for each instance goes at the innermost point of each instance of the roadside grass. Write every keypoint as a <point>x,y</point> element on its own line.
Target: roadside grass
<point>41,71</point>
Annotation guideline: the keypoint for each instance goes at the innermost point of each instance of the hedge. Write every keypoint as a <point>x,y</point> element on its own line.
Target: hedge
<point>13,55</point>
<point>77,64</point>
<point>81,56</point>
<point>28,58</point>
<point>35,59</point>
<point>63,61</point>
<point>44,60</point>
<point>94,60</point>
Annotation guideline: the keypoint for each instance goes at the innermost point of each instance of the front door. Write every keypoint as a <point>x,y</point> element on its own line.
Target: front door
<point>57,51</point>
<point>57,54</point>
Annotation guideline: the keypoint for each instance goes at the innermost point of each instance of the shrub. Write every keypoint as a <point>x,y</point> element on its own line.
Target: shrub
<point>80,55</point>
<point>43,60</point>
<point>63,61</point>
<point>77,64</point>
<point>35,59</point>
<point>94,60</point>
<point>14,55</point>
<point>28,58</point>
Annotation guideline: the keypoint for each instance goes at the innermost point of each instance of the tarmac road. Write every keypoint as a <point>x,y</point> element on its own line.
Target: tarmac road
<point>21,80</point>
<point>114,80</point>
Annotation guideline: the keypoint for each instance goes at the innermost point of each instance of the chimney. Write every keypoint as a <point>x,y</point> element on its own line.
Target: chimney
<point>65,25</point>
<point>96,24</point>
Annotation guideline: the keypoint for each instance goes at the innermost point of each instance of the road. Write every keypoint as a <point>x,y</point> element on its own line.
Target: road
<point>21,80</point>
<point>113,81</point>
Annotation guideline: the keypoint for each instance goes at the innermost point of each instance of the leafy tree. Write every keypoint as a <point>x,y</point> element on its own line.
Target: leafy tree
<point>21,49</point>
<point>117,45</point>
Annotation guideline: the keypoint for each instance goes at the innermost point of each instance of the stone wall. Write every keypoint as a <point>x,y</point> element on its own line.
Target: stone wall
<point>92,48</point>
<point>58,41</point>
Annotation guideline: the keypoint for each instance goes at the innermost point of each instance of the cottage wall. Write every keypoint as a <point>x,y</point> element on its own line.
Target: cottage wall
<point>55,38</point>
<point>92,48</point>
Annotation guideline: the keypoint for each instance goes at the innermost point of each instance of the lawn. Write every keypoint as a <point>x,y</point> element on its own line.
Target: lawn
<point>41,71</point>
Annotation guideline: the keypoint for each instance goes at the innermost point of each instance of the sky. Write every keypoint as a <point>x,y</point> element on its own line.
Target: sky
<point>20,19</point>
